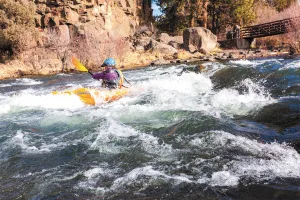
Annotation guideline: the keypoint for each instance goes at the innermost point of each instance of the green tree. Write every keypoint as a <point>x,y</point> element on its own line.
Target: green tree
<point>180,14</point>
<point>243,11</point>
<point>174,18</point>
<point>213,14</point>
<point>218,15</point>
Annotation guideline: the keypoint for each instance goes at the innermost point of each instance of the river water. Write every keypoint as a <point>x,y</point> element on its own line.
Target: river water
<point>232,132</point>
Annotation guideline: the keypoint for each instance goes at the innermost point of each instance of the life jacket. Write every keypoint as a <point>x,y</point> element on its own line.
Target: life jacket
<point>121,78</point>
<point>118,83</point>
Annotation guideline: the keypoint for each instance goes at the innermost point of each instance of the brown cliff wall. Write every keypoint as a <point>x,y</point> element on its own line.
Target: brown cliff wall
<point>89,29</point>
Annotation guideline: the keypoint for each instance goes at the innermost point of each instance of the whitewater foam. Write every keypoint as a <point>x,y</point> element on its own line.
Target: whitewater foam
<point>292,65</point>
<point>48,101</point>
<point>232,102</point>
<point>259,161</point>
<point>26,81</point>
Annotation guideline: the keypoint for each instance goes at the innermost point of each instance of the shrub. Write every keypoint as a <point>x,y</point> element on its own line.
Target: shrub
<point>19,32</point>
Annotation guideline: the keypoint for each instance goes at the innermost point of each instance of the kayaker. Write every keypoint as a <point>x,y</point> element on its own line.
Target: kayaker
<point>111,78</point>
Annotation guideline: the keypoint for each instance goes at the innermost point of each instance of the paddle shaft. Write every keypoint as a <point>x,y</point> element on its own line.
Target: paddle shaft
<point>127,81</point>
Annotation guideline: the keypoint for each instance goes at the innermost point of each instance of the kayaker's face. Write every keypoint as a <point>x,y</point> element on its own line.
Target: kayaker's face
<point>108,68</point>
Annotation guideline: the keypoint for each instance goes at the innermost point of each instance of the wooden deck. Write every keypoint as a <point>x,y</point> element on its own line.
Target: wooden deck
<point>269,29</point>
<point>263,30</point>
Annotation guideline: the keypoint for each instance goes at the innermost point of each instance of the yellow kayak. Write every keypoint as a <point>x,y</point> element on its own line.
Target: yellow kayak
<point>89,95</point>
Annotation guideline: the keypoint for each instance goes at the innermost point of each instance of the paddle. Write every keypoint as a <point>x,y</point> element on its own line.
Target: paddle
<point>126,79</point>
<point>80,66</point>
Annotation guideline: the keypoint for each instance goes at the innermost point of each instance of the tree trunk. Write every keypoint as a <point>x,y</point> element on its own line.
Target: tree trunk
<point>205,13</point>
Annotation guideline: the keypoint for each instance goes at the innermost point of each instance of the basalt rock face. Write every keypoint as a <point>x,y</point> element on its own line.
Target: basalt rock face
<point>88,29</point>
<point>114,13</point>
<point>96,28</point>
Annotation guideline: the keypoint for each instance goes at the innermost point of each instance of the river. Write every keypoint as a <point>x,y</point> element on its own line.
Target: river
<point>232,132</point>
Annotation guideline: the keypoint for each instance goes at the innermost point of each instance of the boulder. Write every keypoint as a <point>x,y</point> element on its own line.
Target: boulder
<point>161,48</point>
<point>174,44</point>
<point>164,38</point>
<point>142,42</point>
<point>177,39</point>
<point>199,39</point>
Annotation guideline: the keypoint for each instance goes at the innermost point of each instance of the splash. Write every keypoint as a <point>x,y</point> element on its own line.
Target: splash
<point>292,65</point>
<point>233,103</point>
<point>255,160</point>
<point>27,99</point>
<point>27,81</point>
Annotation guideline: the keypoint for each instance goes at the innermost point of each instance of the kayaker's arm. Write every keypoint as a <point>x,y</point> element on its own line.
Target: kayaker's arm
<point>106,76</point>
<point>98,76</point>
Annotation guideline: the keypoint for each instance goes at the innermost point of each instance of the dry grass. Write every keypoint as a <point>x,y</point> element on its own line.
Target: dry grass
<point>19,33</point>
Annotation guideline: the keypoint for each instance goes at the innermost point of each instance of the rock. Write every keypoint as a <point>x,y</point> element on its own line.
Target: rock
<point>64,35</point>
<point>159,61</point>
<point>38,20</point>
<point>100,2</point>
<point>146,33</point>
<point>199,39</point>
<point>174,44</point>
<point>54,21</point>
<point>177,39</point>
<point>102,9</point>
<point>122,3</point>
<point>75,2</point>
<point>90,16</point>
<point>96,11</point>
<point>41,9</point>
<point>144,42</point>
<point>139,48</point>
<point>72,17</point>
<point>161,48</point>
<point>48,66</point>
<point>46,19</point>
<point>164,38</point>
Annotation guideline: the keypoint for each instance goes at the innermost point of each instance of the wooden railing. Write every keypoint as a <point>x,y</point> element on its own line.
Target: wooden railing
<point>268,29</point>
<point>263,30</point>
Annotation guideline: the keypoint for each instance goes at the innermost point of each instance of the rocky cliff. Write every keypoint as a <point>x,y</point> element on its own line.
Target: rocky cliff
<point>89,29</point>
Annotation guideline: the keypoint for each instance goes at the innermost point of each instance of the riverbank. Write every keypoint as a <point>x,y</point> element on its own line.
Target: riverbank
<point>133,60</point>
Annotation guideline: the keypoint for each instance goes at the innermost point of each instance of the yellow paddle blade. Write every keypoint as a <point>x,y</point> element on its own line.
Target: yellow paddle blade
<point>78,65</point>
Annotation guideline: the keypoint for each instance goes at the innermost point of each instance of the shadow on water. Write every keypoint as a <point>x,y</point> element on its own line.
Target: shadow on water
<point>283,116</point>
<point>277,190</point>
<point>229,77</point>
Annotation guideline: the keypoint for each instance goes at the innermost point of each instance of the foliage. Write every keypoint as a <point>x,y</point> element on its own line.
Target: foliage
<point>213,14</point>
<point>218,17</point>
<point>175,18</point>
<point>242,11</point>
<point>280,5</point>
<point>18,30</point>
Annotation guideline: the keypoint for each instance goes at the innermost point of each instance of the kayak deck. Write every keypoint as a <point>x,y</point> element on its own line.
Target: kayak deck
<point>89,95</point>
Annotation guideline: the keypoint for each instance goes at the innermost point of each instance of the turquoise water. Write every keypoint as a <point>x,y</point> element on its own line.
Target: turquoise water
<point>229,133</point>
